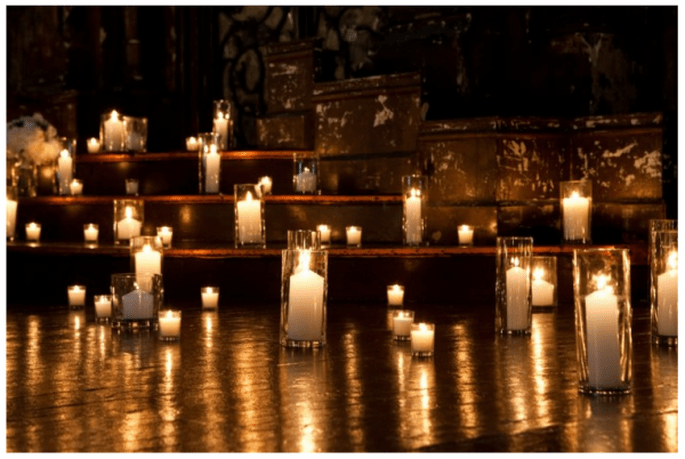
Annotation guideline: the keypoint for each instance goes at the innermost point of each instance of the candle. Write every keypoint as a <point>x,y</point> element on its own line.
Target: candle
<point>77,295</point>
<point>305,305</point>
<point>543,291</point>
<point>576,217</point>
<point>169,324</point>
<point>354,236</point>
<point>33,231</point>
<point>401,324</point>
<point>128,227</point>
<point>325,231</point>
<point>265,182</point>
<point>64,171</point>
<point>137,304</point>
<point>114,133</point>
<point>395,295</point>
<point>165,233</point>
<point>210,297</point>
<point>11,217</point>
<point>76,187</point>
<point>412,212</point>
<point>90,232</point>
<point>422,339</point>
<point>667,298</point>
<point>192,144</point>
<point>103,306</point>
<point>132,186</point>
<point>249,219</point>
<point>93,145</point>
<point>465,234</point>
<point>517,297</point>
<point>305,182</point>
<point>221,128</point>
<point>147,261</point>
<point>603,347</point>
<point>212,161</point>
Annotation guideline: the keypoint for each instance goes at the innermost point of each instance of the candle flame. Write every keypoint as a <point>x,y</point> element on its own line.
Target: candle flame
<point>303,262</point>
<point>538,273</point>
<point>422,327</point>
<point>602,282</point>
<point>192,140</point>
<point>210,290</point>
<point>515,261</point>
<point>673,260</point>
<point>75,288</point>
<point>396,288</point>
<point>169,315</point>
<point>129,212</point>
<point>147,248</point>
<point>212,149</point>
<point>415,193</point>
<point>574,195</point>
<point>464,227</point>
<point>32,225</point>
<point>248,197</point>
<point>322,227</point>
<point>306,169</point>
<point>114,115</point>
<point>64,154</point>
<point>93,141</point>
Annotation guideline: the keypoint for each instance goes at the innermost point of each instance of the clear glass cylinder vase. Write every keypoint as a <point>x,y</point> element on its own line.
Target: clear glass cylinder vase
<point>223,123</point>
<point>601,284</point>
<point>112,132</point>
<point>135,133</point>
<point>65,165</point>
<point>147,256</point>
<point>304,291</point>
<point>305,173</point>
<point>250,229</point>
<point>12,206</point>
<point>129,215</point>
<point>136,304</point>
<point>513,285</point>
<point>576,211</point>
<point>304,239</point>
<point>413,209</point>
<point>209,163</point>
<point>664,286</point>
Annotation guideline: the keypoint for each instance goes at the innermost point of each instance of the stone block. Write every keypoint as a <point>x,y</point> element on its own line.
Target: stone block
<point>442,222</point>
<point>368,175</point>
<point>286,131</point>
<point>289,76</point>
<point>624,222</point>
<point>539,220</point>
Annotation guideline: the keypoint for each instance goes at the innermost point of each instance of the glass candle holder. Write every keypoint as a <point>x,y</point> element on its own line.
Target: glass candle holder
<point>465,234</point>
<point>325,231</point>
<point>402,319</point>
<point>132,186</point>
<point>129,215</point>
<point>576,211</point>
<point>210,297</point>
<point>413,209</point>
<point>209,163</point>
<point>91,231</point>
<point>112,132</point>
<point>135,304</point>
<point>223,123</point>
<point>33,232</point>
<point>147,255</point>
<point>601,284</point>
<point>422,339</point>
<point>11,208</point>
<point>664,287</point>
<point>395,295</point>
<point>513,288</point>
<point>103,307</point>
<point>135,133</point>
<point>93,145</point>
<point>66,163</point>
<point>165,234</point>
<point>304,291</point>
<point>250,230</point>
<point>305,173</point>
<point>266,184</point>
<point>654,226</point>
<point>192,143</point>
<point>77,296</point>
<point>304,240</point>
<point>76,187</point>
<point>544,286</point>
<point>354,236</point>
<point>169,325</point>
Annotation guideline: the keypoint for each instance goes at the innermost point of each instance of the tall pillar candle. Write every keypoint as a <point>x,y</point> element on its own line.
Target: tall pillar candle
<point>603,347</point>
<point>12,204</point>
<point>412,209</point>
<point>517,298</point>
<point>576,208</point>
<point>305,309</point>
<point>513,285</point>
<point>249,219</point>
<point>65,170</point>
<point>212,169</point>
<point>128,227</point>
<point>112,132</point>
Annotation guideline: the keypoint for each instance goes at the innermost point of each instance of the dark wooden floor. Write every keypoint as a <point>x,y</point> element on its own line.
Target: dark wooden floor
<point>74,385</point>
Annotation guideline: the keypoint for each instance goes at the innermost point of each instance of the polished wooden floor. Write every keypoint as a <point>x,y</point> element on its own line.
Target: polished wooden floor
<point>74,385</point>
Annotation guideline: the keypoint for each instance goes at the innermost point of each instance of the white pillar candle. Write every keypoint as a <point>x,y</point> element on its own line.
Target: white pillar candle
<point>401,323</point>
<point>249,219</point>
<point>517,295</point>
<point>422,338</point>
<point>305,181</point>
<point>395,295</point>
<point>147,261</point>
<point>90,232</point>
<point>132,186</point>
<point>325,231</point>
<point>266,183</point>
<point>667,298</point>
<point>114,132</point>
<point>65,171</point>
<point>165,233</point>
<point>543,291</point>
<point>11,216</point>
<point>354,235</point>
<point>305,302</point>
<point>465,235</point>
<point>137,304</point>
<point>170,324</point>
<point>103,306</point>
<point>412,212</point>
<point>603,347</point>
<point>33,231</point>
<point>576,217</point>
<point>128,227</point>
<point>76,187</point>
<point>192,144</point>
<point>93,145</point>
<point>212,162</point>
<point>210,297</point>
<point>77,295</point>
<point>221,128</point>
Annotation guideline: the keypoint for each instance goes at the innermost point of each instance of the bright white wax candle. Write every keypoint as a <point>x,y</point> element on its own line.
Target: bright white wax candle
<point>354,235</point>
<point>170,324</point>
<point>305,181</point>
<point>667,298</point>
<point>11,216</point>
<point>422,338</point>
<point>517,295</point>
<point>325,231</point>
<point>210,297</point>
<point>543,291</point>
<point>103,306</point>
<point>221,128</point>
<point>90,232</point>
<point>305,304</point>
<point>465,233</point>
<point>413,217</point>
<point>137,304</point>
<point>265,182</point>
<point>165,233</point>
<point>76,187</point>
<point>65,171</point>
<point>114,132</point>
<point>212,166</point>
<point>401,323</point>
<point>395,295</point>
<point>77,295</point>
<point>249,219</point>
<point>603,347</point>
<point>93,145</point>
<point>147,261</point>
<point>132,186</point>
<point>576,221</point>
<point>128,227</point>
<point>33,231</point>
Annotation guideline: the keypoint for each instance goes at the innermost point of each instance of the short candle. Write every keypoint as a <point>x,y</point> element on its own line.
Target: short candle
<point>93,145</point>
<point>165,233</point>
<point>354,236</point>
<point>266,183</point>
<point>76,187</point>
<point>210,297</point>
<point>422,339</point>
<point>128,227</point>
<point>33,232</point>
<point>395,295</point>
<point>90,232</point>
<point>169,324</point>
<point>576,212</point>
<point>103,306</point>
<point>543,291</point>
<point>132,186</point>
<point>401,324</point>
<point>465,234</point>
<point>325,231</point>
<point>192,144</point>
<point>11,217</point>
<point>305,182</point>
<point>249,219</point>
<point>77,295</point>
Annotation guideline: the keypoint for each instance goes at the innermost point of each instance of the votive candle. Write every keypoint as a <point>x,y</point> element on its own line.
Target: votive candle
<point>103,306</point>
<point>465,234</point>
<point>76,187</point>
<point>33,232</point>
<point>77,295</point>
<point>401,324</point>
<point>422,339</point>
<point>90,232</point>
<point>93,145</point>
<point>395,295</point>
<point>165,233</point>
<point>169,325</point>
<point>325,231</point>
<point>354,236</point>
<point>210,297</point>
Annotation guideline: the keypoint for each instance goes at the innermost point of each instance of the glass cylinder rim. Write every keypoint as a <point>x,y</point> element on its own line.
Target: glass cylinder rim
<point>601,250</point>
<point>515,238</point>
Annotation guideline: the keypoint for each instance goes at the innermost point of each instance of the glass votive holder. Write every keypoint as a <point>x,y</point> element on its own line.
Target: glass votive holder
<point>129,215</point>
<point>210,297</point>
<point>395,295</point>
<point>132,186</point>
<point>413,209</point>
<point>513,286</point>
<point>135,129</point>
<point>544,286</point>
<point>91,232</point>
<point>209,163</point>
<point>112,133</point>
<point>12,205</point>
<point>33,232</point>
<point>169,325</point>
<point>93,145</point>
<point>265,183</point>
<point>192,143</point>
<point>250,230</point>
<point>401,324</point>
<point>664,287</point>
<point>465,233</point>
<point>66,165</point>
<point>304,287</point>
<point>77,296</point>
<point>304,240</point>
<point>136,299</point>
<point>655,225</point>
<point>576,211</point>
<point>305,173</point>
<point>223,123</point>
<point>354,236</point>
<point>422,339</point>
<point>147,255</point>
<point>325,231</point>
<point>76,187</point>
<point>165,234</point>
<point>103,307</point>
<point>601,284</point>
